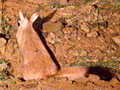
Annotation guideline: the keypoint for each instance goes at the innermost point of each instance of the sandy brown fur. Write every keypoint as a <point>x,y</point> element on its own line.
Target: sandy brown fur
<point>72,73</point>
<point>37,61</point>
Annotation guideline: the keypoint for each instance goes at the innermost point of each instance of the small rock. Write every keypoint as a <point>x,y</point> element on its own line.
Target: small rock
<point>68,30</point>
<point>62,2</point>
<point>44,2</point>
<point>0,18</point>
<point>73,52</point>
<point>93,78</point>
<point>80,32</point>
<point>85,28</point>
<point>2,50</point>
<point>102,83</point>
<point>52,27</point>
<point>82,80</point>
<point>2,42</point>
<point>83,53</point>
<point>31,86</point>
<point>104,24</point>
<point>66,12</point>
<point>92,34</point>
<point>3,66</point>
<point>114,82</point>
<point>117,28</point>
<point>55,29</point>
<point>89,86</point>
<point>96,52</point>
<point>51,38</point>
<point>0,5</point>
<point>59,34</point>
<point>117,39</point>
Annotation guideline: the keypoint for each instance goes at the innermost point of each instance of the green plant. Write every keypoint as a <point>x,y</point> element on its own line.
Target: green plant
<point>113,64</point>
<point>3,69</point>
<point>5,26</point>
<point>12,82</point>
<point>85,1</point>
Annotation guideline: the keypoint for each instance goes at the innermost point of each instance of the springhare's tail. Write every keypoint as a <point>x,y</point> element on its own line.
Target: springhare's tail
<point>72,73</point>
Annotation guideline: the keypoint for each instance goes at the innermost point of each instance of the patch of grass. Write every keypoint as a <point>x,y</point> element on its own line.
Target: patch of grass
<point>85,1</point>
<point>2,76</point>
<point>4,25</point>
<point>107,2</point>
<point>117,6</point>
<point>12,82</point>
<point>113,64</point>
<point>85,14</point>
<point>3,69</point>
<point>118,0</point>
<point>57,5</point>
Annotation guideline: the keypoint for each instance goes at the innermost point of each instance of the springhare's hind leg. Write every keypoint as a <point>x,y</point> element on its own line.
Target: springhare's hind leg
<point>30,72</point>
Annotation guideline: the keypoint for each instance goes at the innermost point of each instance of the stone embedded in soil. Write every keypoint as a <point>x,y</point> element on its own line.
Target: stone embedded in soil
<point>73,52</point>
<point>114,82</point>
<point>31,85</point>
<point>44,2</point>
<point>2,42</point>
<point>117,39</point>
<point>117,28</point>
<point>54,31</point>
<point>3,67</point>
<point>62,2</point>
<point>95,52</point>
<point>0,5</point>
<point>51,38</point>
<point>2,50</point>
<point>82,80</point>
<point>0,19</point>
<point>83,53</point>
<point>93,78</point>
<point>89,86</point>
<point>102,83</point>
<point>92,34</point>
<point>66,12</point>
<point>59,34</point>
<point>85,28</point>
<point>52,27</point>
<point>68,30</point>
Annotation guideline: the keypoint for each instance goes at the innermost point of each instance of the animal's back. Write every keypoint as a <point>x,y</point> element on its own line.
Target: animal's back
<point>37,61</point>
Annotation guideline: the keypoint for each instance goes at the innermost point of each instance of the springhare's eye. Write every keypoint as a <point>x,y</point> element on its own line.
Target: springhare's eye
<point>18,24</point>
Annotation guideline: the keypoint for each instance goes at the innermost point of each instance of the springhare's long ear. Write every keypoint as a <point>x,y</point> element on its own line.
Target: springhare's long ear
<point>21,15</point>
<point>34,17</point>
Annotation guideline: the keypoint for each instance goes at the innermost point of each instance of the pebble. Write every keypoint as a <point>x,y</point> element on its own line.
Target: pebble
<point>93,78</point>
<point>2,42</point>
<point>117,39</point>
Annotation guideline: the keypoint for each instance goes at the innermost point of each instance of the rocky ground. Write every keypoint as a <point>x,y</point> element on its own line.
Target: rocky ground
<point>78,32</point>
